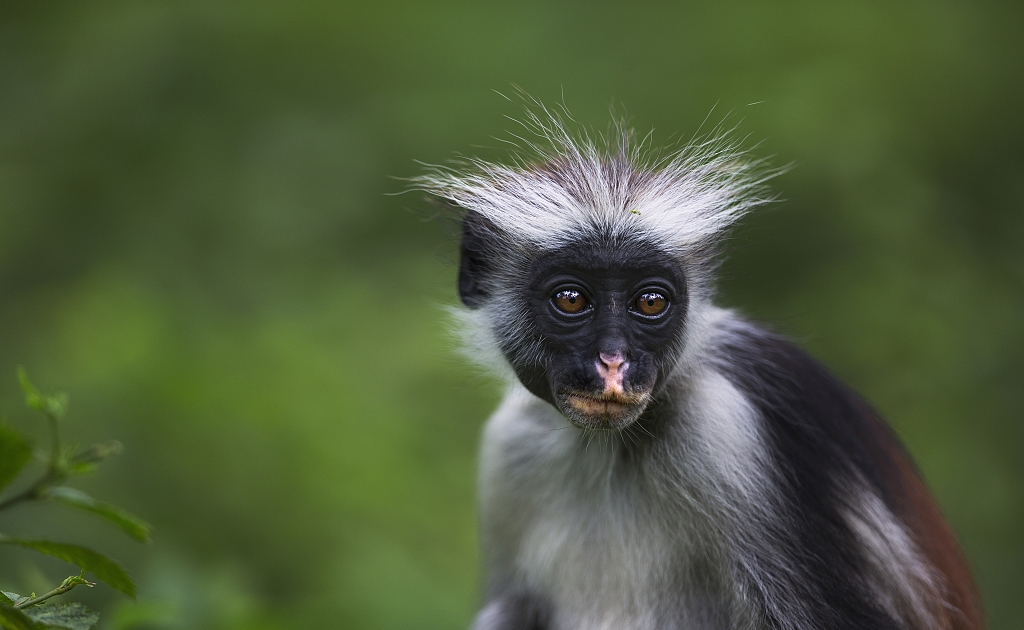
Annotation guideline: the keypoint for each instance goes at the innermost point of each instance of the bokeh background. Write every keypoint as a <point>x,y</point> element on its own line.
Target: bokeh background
<point>198,244</point>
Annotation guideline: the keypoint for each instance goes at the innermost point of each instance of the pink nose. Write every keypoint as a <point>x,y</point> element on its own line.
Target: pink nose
<point>612,368</point>
<point>612,361</point>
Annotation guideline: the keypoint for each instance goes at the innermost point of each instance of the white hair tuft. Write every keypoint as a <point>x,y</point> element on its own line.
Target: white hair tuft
<point>561,184</point>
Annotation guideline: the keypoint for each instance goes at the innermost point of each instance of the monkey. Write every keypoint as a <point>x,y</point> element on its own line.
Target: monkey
<point>658,461</point>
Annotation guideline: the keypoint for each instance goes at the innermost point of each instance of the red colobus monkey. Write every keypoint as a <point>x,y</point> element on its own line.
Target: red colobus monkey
<point>659,462</point>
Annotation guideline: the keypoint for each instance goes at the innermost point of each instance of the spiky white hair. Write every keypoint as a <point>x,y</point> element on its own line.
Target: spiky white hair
<point>563,186</point>
<point>561,183</point>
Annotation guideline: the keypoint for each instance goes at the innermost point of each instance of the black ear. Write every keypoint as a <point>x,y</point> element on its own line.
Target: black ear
<point>479,240</point>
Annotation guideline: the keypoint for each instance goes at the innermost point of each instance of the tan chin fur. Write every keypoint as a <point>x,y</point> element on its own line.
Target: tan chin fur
<point>597,406</point>
<point>605,412</point>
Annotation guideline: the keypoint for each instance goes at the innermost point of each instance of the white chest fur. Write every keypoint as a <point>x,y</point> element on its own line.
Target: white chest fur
<point>610,543</point>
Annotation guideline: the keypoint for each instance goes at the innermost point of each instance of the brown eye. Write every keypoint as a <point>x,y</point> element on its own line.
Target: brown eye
<point>651,304</point>
<point>570,301</point>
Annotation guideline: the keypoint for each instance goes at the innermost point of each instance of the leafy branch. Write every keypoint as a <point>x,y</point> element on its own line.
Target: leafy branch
<point>62,463</point>
<point>65,586</point>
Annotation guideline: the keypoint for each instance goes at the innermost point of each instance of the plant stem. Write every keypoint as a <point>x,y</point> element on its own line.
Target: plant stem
<point>66,586</point>
<point>55,443</point>
<point>32,492</point>
<point>54,473</point>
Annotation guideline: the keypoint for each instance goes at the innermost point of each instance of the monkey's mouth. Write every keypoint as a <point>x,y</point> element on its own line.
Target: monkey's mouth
<point>613,410</point>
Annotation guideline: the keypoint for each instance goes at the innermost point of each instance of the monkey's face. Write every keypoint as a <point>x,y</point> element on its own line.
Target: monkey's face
<point>593,327</point>
<point>608,319</point>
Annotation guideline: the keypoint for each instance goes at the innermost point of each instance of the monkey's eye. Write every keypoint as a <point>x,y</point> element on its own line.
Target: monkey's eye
<point>651,304</point>
<point>569,301</point>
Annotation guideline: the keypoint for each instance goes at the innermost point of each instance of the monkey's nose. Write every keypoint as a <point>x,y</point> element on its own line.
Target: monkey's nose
<point>612,369</point>
<point>612,361</point>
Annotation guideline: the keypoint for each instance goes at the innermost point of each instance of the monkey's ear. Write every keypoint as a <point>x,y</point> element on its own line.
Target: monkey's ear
<point>479,239</point>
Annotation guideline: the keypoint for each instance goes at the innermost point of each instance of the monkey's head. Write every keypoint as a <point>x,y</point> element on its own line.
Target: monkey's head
<point>592,325</point>
<point>587,271</point>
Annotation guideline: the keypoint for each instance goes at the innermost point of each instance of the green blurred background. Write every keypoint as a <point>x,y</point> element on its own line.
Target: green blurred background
<point>197,243</point>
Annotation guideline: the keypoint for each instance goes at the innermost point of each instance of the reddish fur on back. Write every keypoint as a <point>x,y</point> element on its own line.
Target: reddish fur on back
<point>919,512</point>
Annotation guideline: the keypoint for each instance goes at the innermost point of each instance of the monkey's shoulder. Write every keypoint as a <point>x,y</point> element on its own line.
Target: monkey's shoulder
<point>816,423</point>
<point>844,472</point>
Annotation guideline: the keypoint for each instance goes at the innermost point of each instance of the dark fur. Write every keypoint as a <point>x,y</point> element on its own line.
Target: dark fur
<point>824,439</point>
<point>816,517</point>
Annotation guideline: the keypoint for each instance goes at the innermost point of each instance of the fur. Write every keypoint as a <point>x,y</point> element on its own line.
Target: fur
<point>757,492</point>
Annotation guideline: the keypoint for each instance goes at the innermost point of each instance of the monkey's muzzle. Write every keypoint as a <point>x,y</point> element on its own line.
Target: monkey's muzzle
<point>604,411</point>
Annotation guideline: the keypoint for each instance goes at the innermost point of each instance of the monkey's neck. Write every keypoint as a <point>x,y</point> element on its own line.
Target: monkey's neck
<point>650,429</point>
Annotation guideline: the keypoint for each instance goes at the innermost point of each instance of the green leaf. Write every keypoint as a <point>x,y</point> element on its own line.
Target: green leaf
<point>14,454</point>
<point>73,616</point>
<point>86,460</point>
<point>81,468</point>
<point>54,406</point>
<point>72,497</point>
<point>13,598</point>
<point>33,398</point>
<point>99,565</point>
<point>13,619</point>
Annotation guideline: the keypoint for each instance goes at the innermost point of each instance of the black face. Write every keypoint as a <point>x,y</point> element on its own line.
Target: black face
<point>609,317</point>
